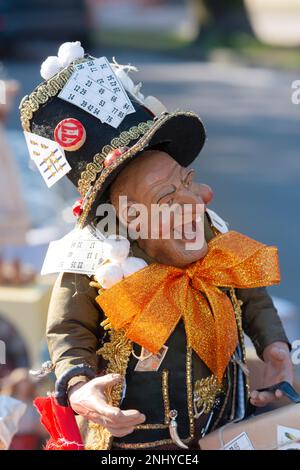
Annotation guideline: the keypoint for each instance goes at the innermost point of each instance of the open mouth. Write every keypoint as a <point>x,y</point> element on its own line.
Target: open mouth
<point>190,231</point>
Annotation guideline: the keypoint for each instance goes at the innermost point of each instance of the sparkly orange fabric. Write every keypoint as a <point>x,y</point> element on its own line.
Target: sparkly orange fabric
<point>150,303</point>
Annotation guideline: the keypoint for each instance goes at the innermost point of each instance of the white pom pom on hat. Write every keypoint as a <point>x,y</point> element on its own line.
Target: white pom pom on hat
<point>70,51</point>
<point>67,52</point>
<point>50,67</point>
<point>109,274</point>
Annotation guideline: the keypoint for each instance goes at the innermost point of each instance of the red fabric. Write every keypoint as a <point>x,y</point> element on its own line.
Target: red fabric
<point>60,423</point>
<point>25,442</point>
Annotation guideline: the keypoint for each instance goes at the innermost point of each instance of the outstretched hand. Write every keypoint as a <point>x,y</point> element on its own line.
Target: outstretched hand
<point>278,368</point>
<point>89,400</point>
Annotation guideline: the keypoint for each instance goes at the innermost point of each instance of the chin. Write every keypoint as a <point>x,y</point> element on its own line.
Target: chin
<point>182,257</point>
<point>172,252</point>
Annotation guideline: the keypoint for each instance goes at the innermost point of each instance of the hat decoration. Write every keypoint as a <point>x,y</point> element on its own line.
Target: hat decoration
<point>152,103</point>
<point>117,262</point>
<point>70,134</point>
<point>88,119</point>
<point>67,52</point>
<point>70,51</point>
<point>77,208</point>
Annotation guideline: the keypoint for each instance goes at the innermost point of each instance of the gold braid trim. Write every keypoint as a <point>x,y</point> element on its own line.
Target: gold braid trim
<point>237,307</point>
<point>116,352</point>
<point>189,390</point>
<point>149,445</point>
<point>165,393</point>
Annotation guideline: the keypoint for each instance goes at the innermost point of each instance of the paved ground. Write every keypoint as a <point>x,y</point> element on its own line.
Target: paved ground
<point>251,158</point>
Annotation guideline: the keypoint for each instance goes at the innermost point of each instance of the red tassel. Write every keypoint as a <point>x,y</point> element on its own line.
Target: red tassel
<point>60,423</point>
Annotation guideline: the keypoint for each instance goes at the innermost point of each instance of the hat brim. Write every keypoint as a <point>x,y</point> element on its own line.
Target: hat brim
<point>180,134</point>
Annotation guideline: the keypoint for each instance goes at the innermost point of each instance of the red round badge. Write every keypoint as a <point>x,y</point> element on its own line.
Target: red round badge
<point>70,134</point>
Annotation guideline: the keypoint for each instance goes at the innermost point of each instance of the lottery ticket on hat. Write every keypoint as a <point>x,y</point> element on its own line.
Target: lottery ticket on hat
<point>48,156</point>
<point>80,251</point>
<point>95,88</point>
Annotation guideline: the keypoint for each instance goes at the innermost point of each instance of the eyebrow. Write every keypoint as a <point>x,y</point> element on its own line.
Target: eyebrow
<point>174,188</point>
<point>189,172</point>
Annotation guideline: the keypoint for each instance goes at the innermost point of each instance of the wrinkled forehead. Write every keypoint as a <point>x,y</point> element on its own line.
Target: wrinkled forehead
<point>154,173</point>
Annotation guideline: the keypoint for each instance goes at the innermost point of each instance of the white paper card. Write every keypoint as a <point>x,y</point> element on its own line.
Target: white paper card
<point>48,156</point>
<point>288,438</point>
<point>217,221</point>
<point>80,251</point>
<point>95,88</point>
<point>241,442</point>
<point>150,362</point>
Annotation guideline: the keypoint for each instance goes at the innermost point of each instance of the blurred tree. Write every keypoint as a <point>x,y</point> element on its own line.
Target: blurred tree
<point>217,18</point>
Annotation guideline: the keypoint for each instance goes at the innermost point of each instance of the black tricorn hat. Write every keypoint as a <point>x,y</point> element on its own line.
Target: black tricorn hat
<point>181,134</point>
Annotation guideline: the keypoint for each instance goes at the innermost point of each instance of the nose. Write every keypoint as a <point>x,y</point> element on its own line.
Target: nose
<point>192,203</point>
<point>188,196</point>
<point>198,193</point>
<point>206,193</point>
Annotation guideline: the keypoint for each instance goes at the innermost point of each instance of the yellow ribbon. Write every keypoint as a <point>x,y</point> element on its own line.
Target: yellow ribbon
<point>150,303</point>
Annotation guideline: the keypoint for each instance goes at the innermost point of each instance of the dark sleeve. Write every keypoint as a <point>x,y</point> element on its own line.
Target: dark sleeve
<point>260,319</point>
<point>73,325</point>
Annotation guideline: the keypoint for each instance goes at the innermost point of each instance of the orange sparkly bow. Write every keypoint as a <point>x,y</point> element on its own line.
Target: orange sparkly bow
<point>149,303</point>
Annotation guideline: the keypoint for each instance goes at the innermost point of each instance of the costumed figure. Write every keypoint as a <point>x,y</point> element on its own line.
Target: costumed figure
<point>146,341</point>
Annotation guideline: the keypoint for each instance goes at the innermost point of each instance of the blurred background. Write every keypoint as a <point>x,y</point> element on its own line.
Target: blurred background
<point>231,62</point>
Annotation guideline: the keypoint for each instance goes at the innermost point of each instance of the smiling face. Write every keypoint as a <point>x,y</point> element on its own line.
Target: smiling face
<point>158,182</point>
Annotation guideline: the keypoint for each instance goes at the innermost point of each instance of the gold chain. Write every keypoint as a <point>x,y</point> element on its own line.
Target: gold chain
<point>165,392</point>
<point>189,390</point>
<point>237,307</point>
<point>116,352</point>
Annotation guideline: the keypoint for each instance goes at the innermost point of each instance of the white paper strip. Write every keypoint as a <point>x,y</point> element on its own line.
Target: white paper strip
<point>48,156</point>
<point>95,88</point>
<point>80,251</point>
